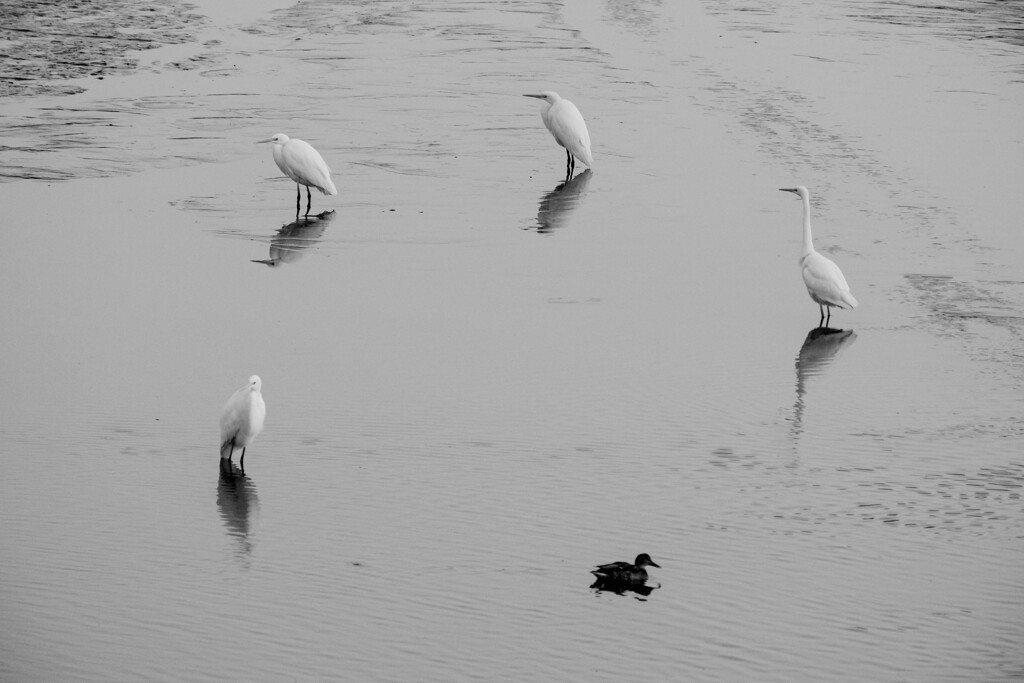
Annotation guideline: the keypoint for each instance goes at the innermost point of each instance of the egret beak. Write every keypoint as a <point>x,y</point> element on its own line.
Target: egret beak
<point>260,142</point>
<point>539,97</point>
<point>789,189</point>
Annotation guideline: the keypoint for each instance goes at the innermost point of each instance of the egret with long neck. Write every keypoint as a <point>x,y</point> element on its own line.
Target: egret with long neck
<point>825,283</point>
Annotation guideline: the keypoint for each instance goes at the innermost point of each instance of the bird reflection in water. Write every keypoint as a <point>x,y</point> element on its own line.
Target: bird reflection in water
<point>622,587</point>
<point>557,205</point>
<point>816,353</point>
<point>291,241</point>
<point>239,507</point>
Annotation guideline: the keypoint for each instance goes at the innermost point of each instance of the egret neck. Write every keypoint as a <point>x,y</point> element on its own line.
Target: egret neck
<point>808,243</point>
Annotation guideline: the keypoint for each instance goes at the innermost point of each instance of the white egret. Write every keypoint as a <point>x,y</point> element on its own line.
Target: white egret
<point>824,281</point>
<point>241,420</point>
<point>566,124</point>
<point>299,161</point>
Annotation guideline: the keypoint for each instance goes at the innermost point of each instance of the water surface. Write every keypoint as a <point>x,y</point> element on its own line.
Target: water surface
<point>482,381</point>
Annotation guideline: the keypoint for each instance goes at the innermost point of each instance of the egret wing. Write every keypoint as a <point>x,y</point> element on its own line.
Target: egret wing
<point>825,282</point>
<point>304,165</point>
<point>570,130</point>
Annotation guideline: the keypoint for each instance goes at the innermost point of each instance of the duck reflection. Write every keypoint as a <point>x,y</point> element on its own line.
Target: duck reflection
<point>622,587</point>
<point>557,205</point>
<point>239,506</point>
<point>288,245</point>
<point>819,349</point>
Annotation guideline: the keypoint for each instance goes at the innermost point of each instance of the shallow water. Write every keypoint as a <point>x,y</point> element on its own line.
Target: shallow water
<point>480,383</point>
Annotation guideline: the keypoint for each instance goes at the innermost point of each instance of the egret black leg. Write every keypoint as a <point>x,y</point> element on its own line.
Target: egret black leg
<point>828,318</point>
<point>241,462</point>
<point>821,320</point>
<point>309,201</point>
<point>298,199</point>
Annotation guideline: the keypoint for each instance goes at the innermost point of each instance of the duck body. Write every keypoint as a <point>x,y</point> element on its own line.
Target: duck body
<point>624,572</point>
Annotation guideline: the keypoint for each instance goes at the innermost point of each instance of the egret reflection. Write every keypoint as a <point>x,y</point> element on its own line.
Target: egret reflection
<point>819,349</point>
<point>292,240</point>
<point>557,205</point>
<point>239,507</point>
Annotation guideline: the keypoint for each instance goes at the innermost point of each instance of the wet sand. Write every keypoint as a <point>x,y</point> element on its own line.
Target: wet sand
<point>480,382</point>
<point>46,44</point>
